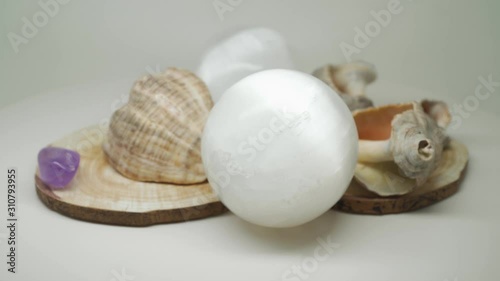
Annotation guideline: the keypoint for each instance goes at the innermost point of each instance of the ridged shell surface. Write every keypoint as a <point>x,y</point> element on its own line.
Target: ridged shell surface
<point>155,137</point>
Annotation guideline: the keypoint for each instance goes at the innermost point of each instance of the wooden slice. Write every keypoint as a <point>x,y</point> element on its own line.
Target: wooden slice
<point>100,194</point>
<point>443,183</point>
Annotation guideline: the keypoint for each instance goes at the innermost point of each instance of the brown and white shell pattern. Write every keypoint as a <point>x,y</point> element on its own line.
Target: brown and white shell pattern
<point>155,137</point>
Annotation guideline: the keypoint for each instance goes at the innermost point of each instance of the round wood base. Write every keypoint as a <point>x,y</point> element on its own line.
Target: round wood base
<point>100,194</point>
<point>359,201</point>
<point>443,183</point>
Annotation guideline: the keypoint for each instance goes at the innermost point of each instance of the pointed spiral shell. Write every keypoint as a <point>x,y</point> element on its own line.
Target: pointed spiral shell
<point>416,143</point>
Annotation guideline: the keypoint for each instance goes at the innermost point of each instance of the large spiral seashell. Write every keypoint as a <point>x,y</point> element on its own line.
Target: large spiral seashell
<point>156,136</point>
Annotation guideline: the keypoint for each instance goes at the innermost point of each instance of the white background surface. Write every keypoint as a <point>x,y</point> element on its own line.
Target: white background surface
<point>80,66</point>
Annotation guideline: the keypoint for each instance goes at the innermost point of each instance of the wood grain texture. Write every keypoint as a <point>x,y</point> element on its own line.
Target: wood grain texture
<point>100,194</point>
<point>443,183</point>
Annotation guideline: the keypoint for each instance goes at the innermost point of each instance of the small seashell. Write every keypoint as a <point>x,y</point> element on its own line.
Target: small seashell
<point>406,136</point>
<point>349,81</point>
<point>416,143</point>
<point>384,179</point>
<point>155,137</point>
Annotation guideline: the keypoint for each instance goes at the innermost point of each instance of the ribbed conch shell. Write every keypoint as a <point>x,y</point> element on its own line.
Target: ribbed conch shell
<point>155,137</point>
<point>349,81</point>
<point>410,137</point>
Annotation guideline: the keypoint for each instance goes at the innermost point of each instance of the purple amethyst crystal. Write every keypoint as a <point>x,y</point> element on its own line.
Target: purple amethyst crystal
<point>58,166</point>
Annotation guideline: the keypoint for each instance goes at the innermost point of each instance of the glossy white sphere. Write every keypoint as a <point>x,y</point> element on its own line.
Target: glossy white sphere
<point>244,53</point>
<point>279,148</point>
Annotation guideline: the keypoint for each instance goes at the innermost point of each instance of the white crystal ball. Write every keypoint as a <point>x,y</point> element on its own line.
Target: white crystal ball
<point>244,53</point>
<point>279,148</point>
